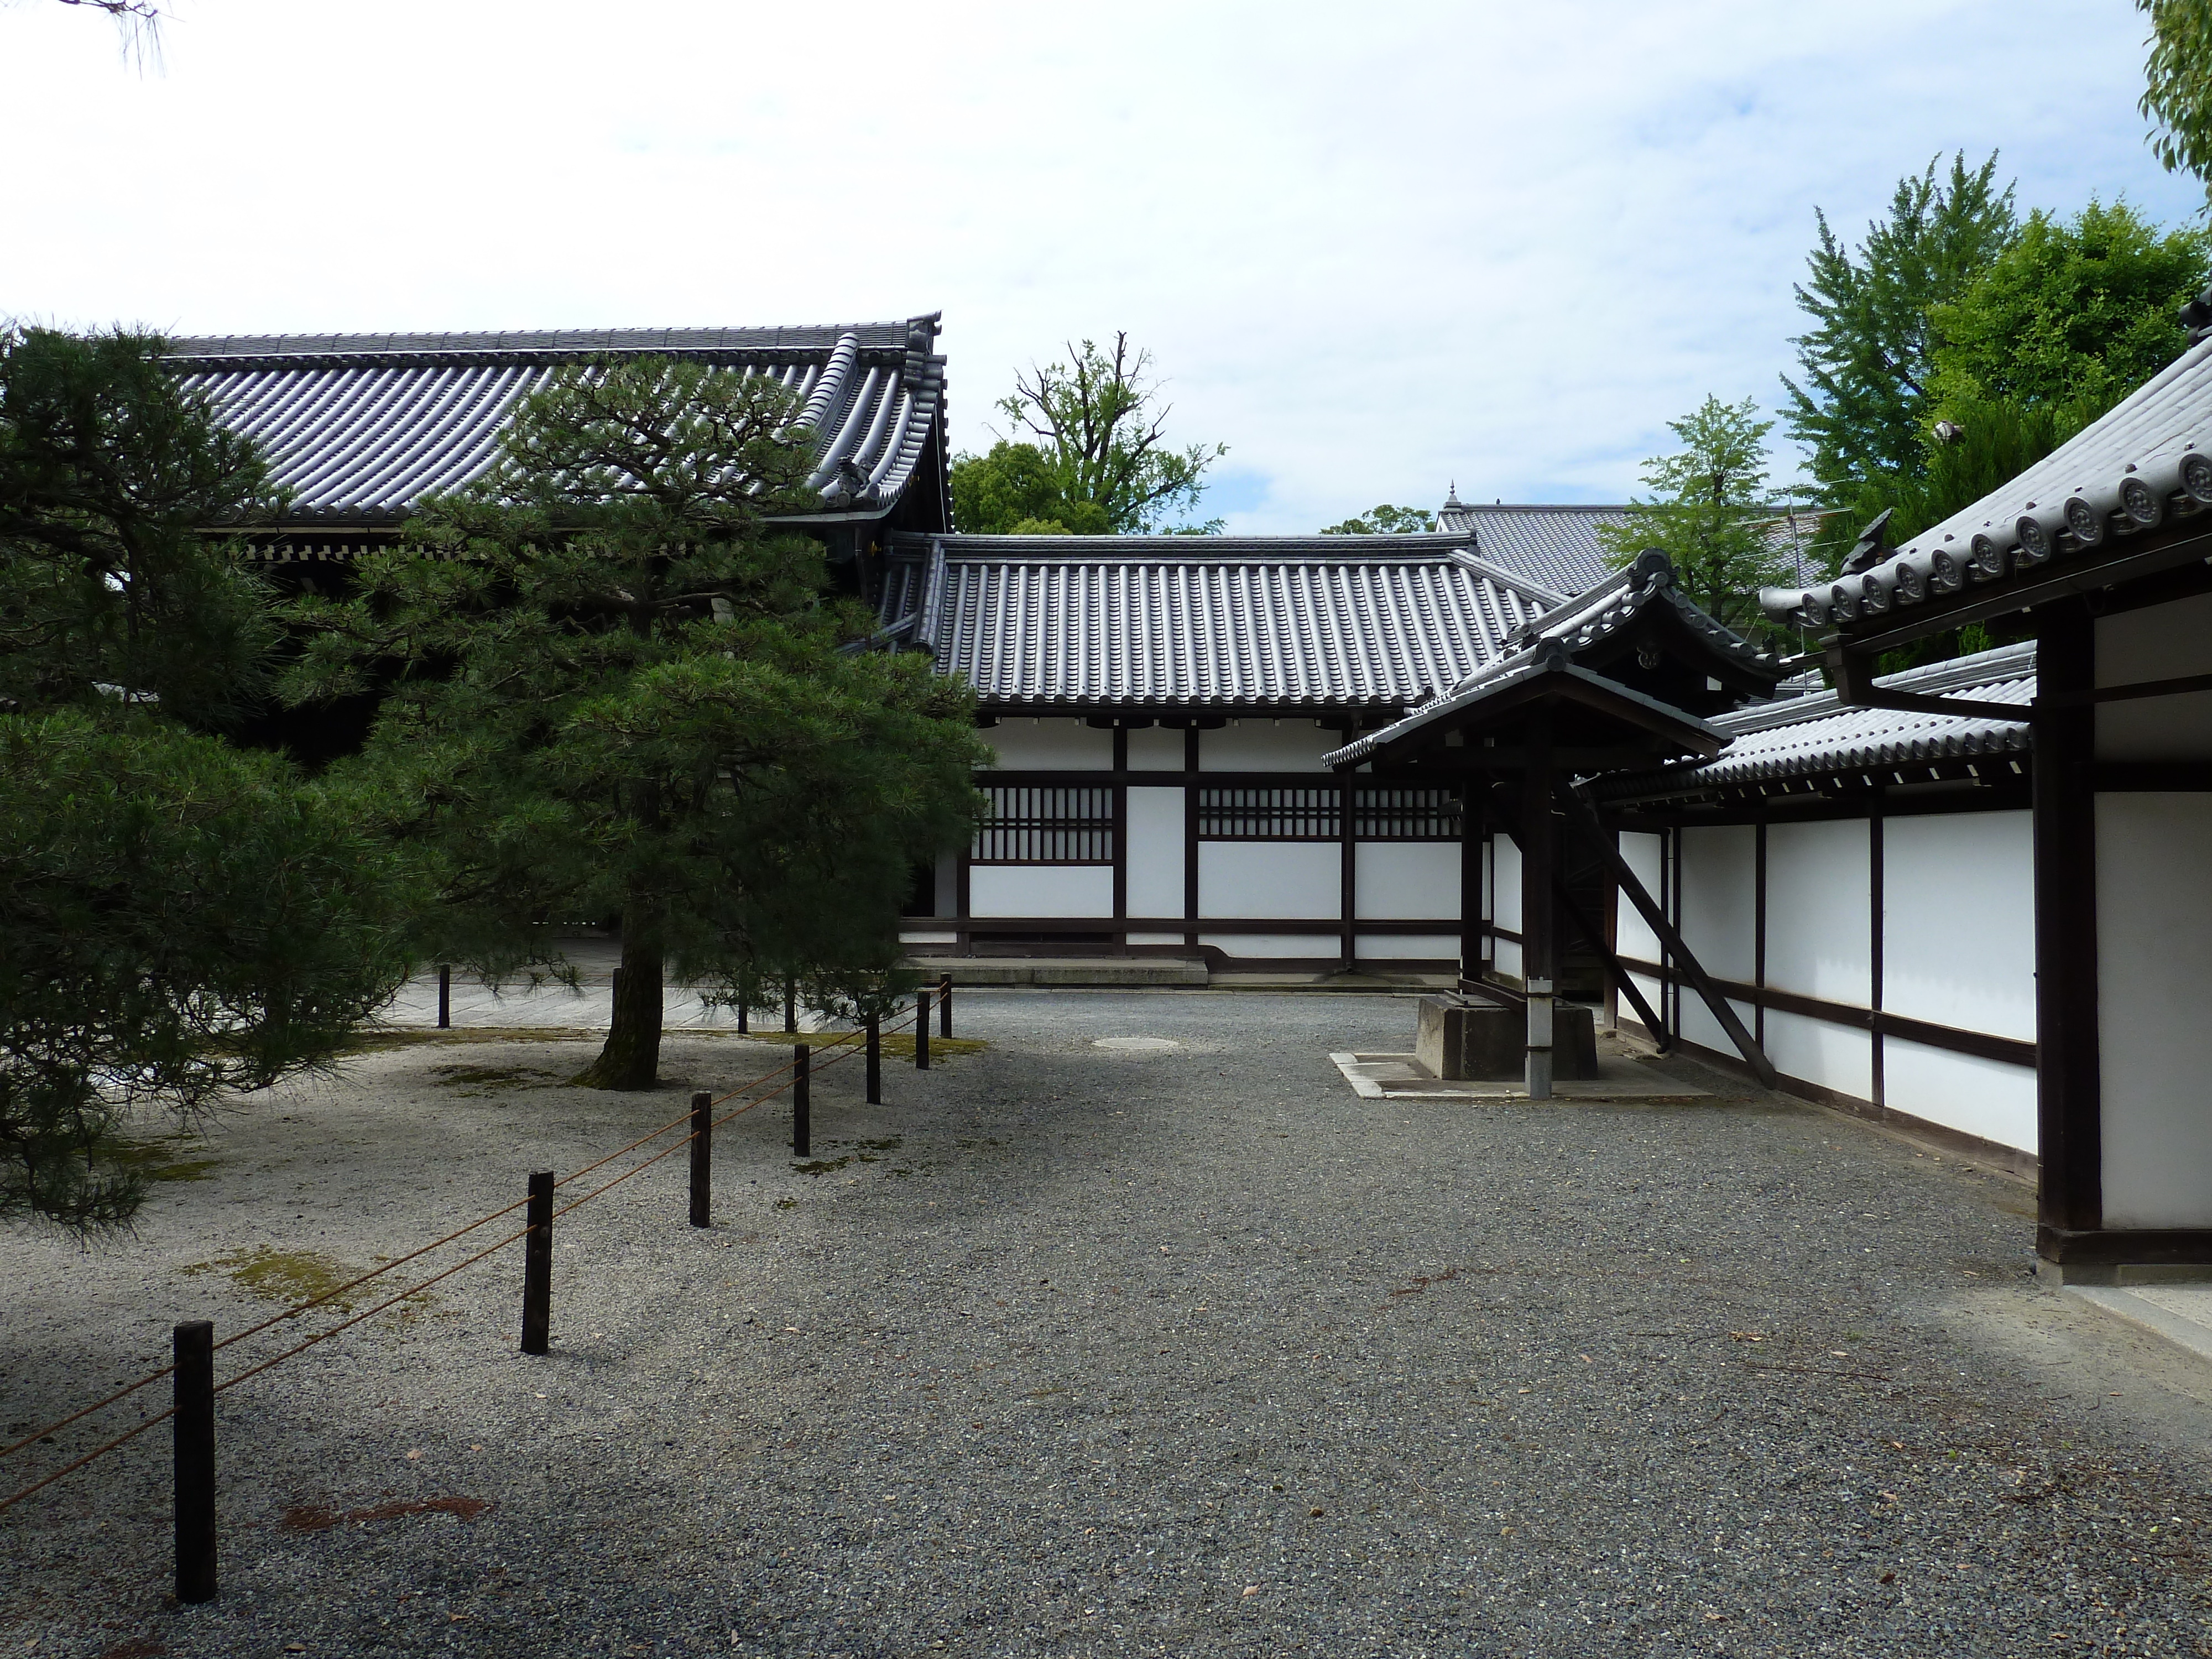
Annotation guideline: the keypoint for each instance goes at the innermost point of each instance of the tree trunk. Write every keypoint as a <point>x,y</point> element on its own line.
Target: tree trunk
<point>631,1058</point>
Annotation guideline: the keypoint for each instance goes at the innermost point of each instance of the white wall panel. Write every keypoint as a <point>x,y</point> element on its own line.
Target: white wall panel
<point>1819,908</point>
<point>1325,946</point>
<point>1959,924</point>
<point>929,939</point>
<point>1398,947</point>
<point>2158,643</point>
<point>1040,889</point>
<point>1049,745</point>
<point>1633,937</point>
<point>1698,1025</point>
<point>1264,746</point>
<point>1304,879</point>
<point>1155,852</point>
<point>1835,1056</point>
<point>1649,987</point>
<point>2153,961</point>
<point>1505,958</point>
<point>1156,938</point>
<point>1720,902</point>
<point>1508,885</point>
<point>1986,1098</point>
<point>1406,880</point>
<point>1155,749</point>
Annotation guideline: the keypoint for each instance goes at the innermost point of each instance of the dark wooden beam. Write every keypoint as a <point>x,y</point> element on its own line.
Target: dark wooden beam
<point>2069,1107</point>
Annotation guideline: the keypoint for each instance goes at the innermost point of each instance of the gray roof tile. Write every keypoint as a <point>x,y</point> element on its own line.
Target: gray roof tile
<point>1556,546</point>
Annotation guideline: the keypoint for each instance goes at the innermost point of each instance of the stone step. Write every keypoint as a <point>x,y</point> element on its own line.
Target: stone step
<point>1065,970</point>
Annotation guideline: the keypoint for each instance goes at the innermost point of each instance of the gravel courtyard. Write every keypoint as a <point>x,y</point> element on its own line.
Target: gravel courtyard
<point>1070,1350</point>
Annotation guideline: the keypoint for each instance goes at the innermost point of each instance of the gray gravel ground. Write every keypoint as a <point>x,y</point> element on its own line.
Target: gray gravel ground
<point>1067,1350</point>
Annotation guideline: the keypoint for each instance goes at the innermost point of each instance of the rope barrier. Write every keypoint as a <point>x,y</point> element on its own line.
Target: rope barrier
<point>842,1047</point>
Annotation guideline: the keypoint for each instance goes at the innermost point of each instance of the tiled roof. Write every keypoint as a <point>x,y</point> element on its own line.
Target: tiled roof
<point>2144,464</point>
<point>359,426</point>
<point>1581,628</point>
<point>1817,736</point>
<point>1556,546</point>
<point>1322,621</point>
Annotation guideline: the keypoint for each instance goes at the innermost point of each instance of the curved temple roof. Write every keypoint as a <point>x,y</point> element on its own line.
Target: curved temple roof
<point>1321,621</point>
<point>360,426</point>
<point>2143,464</point>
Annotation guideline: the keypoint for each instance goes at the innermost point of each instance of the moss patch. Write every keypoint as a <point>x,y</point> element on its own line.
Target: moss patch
<point>293,1276</point>
<point>157,1160</point>
<point>471,1080</point>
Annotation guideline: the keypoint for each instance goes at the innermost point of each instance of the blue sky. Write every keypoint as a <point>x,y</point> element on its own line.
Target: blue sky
<point>1373,249</point>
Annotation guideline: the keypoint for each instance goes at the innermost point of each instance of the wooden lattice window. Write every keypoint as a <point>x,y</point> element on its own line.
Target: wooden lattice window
<point>1384,814</point>
<point>1270,814</point>
<point>1045,824</point>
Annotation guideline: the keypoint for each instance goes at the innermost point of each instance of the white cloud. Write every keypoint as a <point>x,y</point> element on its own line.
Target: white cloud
<point>1374,248</point>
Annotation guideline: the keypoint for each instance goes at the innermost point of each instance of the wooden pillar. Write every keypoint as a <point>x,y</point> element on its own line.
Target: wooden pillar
<point>1347,888</point>
<point>2069,1107</point>
<point>1539,964</point>
<point>1190,836</point>
<point>1473,832</point>
<point>1758,927</point>
<point>1122,838</point>
<point>1877,862</point>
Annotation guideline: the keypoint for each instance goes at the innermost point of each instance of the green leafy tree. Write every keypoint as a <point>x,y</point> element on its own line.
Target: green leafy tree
<point>616,689</point>
<point>1095,460</point>
<point>1864,403</point>
<point>2177,85</point>
<point>2070,313</point>
<point>1385,520</point>
<point>1709,512</point>
<point>178,919</point>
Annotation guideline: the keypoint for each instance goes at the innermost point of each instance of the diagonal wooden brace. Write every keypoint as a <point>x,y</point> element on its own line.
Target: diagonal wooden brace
<point>1583,817</point>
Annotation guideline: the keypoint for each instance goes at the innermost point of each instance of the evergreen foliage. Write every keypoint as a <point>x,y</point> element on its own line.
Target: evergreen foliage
<point>2178,84</point>
<point>1095,460</point>
<point>178,918</point>
<point>617,689</point>
<point>1709,512</point>
<point>1385,520</point>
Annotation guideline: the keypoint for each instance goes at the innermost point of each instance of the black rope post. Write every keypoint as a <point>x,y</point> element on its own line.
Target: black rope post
<point>193,1428</point>
<point>702,1156</point>
<point>921,1030</point>
<point>745,1023</point>
<point>790,1005</point>
<point>875,1060</point>
<point>945,1005</point>
<point>802,1135</point>
<point>537,1267</point>
<point>445,995</point>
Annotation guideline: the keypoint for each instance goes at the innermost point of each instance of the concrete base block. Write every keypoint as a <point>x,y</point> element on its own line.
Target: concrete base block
<point>1460,1037</point>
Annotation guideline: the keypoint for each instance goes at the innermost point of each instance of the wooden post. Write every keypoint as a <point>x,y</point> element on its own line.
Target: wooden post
<point>703,1157</point>
<point>445,995</point>
<point>193,1435</point>
<point>790,1005</point>
<point>744,1013</point>
<point>875,1060</point>
<point>537,1267</point>
<point>921,1030</point>
<point>945,1005</point>
<point>1539,936</point>
<point>802,1129</point>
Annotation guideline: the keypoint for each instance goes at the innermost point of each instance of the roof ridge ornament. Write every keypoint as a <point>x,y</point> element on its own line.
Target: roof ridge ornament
<point>2196,316</point>
<point>1654,569</point>
<point>1872,546</point>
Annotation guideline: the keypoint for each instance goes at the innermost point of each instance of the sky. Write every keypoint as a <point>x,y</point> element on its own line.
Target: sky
<point>1377,249</point>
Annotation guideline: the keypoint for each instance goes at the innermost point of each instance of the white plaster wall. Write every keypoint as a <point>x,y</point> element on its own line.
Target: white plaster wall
<point>1388,947</point>
<point>1155,852</point>
<point>1959,925</point>
<point>1050,745</point>
<point>1264,746</point>
<point>1632,935</point>
<point>1303,879</point>
<point>1406,880</point>
<point>1835,1056</point>
<point>1986,1097</point>
<point>929,939</point>
<point>1156,938</point>
<point>1507,887</point>
<point>1720,905</point>
<point>1698,1025</point>
<point>1040,889</point>
<point>1327,946</point>
<point>2153,960</point>
<point>1649,987</point>
<point>1155,749</point>
<point>1819,916</point>
<point>2159,642</point>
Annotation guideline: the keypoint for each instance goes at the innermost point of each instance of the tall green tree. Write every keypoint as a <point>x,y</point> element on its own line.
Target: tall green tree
<point>1385,520</point>
<point>1094,458</point>
<point>1709,512</point>
<point>178,919</point>
<point>2177,85</point>
<point>617,689</point>
<point>1864,401</point>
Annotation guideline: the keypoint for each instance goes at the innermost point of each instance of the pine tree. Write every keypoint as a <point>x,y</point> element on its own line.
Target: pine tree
<point>616,688</point>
